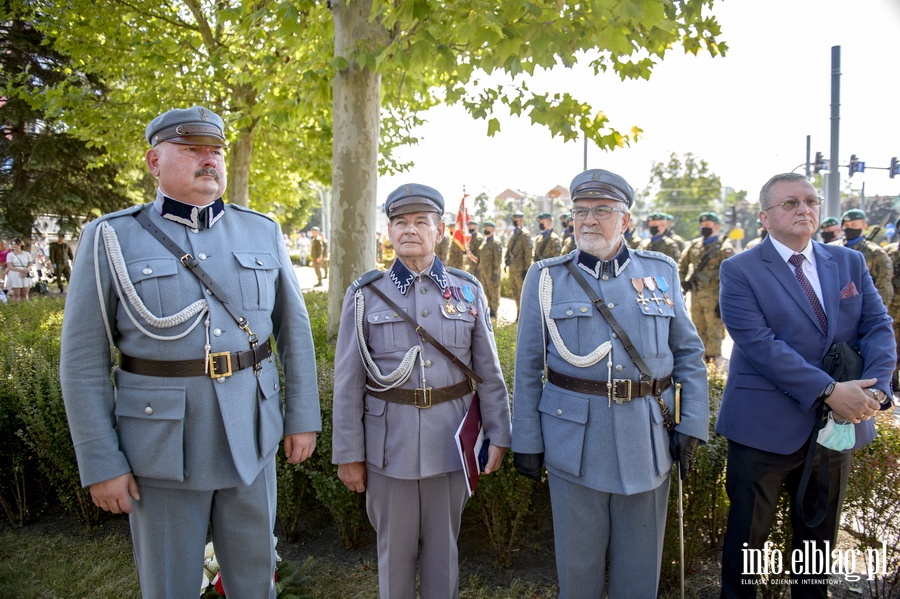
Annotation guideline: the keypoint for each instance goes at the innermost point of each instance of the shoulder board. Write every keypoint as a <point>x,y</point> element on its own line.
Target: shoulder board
<point>119,213</point>
<point>653,255</point>
<point>462,274</point>
<point>250,211</point>
<point>365,279</point>
<point>547,262</point>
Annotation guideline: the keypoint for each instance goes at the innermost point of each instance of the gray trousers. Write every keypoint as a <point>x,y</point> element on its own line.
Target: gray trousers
<point>169,526</point>
<point>588,525</point>
<point>417,523</point>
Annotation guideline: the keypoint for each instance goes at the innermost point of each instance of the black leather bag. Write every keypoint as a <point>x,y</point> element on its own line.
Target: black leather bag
<point>843,362</point>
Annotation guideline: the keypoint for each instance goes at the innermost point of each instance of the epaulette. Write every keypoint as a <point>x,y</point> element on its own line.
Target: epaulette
<point>124,212</point>
<point>251,211</point>
<point>463,274</point>
<point>366,278</point>
<point>555,260</point>
<point>654,256</point>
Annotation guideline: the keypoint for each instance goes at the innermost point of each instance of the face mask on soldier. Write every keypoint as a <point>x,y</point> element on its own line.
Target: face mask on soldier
<point>828,236</point>
<point>542,226</point>
<point>852,234</point>
<point>654,230</point>
<point>706,232</point>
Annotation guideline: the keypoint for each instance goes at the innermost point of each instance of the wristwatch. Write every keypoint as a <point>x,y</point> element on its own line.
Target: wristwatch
<point>878,394</point>
<point>828,390</point>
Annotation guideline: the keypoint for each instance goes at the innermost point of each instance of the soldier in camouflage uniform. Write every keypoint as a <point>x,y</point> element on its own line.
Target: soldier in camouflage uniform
<point>568,234</point>
<point>659,241</point>
<point>853,223</point>
<point>490,263</point>
<point>456,256</point>
<point>830,229</point>
<point>632,239</point>
<point>893,253</point>
<point>519,253</point>
<point>671,234</point>
<point>761,232</point>
<point>547,244</point>
<point>473,248</point>
<point>698,268</point>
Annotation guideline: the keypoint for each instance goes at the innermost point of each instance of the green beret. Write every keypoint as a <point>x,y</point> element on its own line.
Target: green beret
<point>710,216</point>
<point>471,222</point>
<point>518,214</point>
<point>657,216</point>
<point>829,221</point>
<point>669,217</point>
<point>488,223</point>
<point>853,214</point>
<point>544,215</point>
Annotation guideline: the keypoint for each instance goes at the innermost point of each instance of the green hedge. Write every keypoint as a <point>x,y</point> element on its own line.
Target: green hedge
<point>38,470</point>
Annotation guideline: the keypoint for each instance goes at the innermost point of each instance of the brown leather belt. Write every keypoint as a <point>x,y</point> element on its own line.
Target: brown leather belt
<point>219,365</point>
<point>622,389</point>
<point>423,398</point>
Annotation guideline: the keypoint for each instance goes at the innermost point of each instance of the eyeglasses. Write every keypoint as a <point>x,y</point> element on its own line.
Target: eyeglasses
<point>789,205</point>
<point>599,212</point>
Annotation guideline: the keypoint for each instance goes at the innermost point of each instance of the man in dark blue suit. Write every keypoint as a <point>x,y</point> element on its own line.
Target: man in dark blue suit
<point>777,380</point>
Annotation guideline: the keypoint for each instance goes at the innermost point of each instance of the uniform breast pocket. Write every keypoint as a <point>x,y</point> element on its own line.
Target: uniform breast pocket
<point>257,274</point>
<point>654,340</point>
<point>156,282</point>
<point>573,320</point>
<point>456,328</point>
<point>151,430</point>
<point>388,332</point>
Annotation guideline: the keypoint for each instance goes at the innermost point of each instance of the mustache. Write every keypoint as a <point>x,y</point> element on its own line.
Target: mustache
<point>207,171</point>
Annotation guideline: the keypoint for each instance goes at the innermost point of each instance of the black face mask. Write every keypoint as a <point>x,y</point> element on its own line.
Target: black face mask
<point>488,233</point>
<point>473,230</point>
<point>852,234</point>
<point>828,236</point>
<point>706,232</point>
<point>542,226</point>
<point>654,230</point>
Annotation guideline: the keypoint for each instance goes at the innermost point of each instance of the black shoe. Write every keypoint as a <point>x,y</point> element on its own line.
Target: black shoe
<point>319,284</point>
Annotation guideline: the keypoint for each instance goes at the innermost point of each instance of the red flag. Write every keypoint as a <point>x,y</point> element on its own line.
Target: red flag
<point>461,234</point>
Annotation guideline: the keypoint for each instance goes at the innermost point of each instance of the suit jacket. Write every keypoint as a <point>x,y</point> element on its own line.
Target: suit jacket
<point>775,375</point>
<point>403,441</point>
<point>586,439</point>
<point>185,432</point>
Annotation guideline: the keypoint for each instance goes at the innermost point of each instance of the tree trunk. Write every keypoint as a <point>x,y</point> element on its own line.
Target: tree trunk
<point>354,169</point>
<point>241,151</point>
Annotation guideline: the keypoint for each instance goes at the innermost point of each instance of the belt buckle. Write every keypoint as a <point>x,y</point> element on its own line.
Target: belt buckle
<point>615,391</point>
<point>426,393</point>
<point>213,374</point>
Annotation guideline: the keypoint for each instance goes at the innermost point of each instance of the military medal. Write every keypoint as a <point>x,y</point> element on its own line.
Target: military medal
<point>664,287</point>
<point>650,283</point>
<point>638,285</point>
<point>449,308</point>
<point>473,311</point>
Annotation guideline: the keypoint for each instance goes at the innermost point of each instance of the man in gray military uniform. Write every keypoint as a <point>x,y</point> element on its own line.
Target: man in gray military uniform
<point>185,439</point>
<point>399,399</point>
<point>599,419</point>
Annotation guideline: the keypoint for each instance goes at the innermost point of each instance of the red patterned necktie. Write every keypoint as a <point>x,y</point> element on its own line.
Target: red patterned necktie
<point>797,262</point>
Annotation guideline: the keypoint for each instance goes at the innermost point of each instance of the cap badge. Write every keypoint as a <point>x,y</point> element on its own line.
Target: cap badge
<point>204,114</point>
<point>596,176</point>
<point>408,190</point>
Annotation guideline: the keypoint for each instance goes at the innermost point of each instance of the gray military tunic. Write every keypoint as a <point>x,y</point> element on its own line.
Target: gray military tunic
<point>401,443</point>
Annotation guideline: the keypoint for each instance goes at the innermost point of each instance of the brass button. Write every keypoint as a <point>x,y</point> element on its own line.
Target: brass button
<point>569,312</point>
<point>584,309</point>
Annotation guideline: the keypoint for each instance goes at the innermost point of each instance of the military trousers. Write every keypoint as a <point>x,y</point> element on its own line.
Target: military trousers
<point>417,525</point>
<point>704,314</point>
<point>590,525</point>
<point>516,281</point>
<point>169,530</point>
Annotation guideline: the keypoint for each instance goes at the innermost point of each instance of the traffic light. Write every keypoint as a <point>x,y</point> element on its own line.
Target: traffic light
<point>856,165</point>
<point>819,164</point>
<point>895,167</point>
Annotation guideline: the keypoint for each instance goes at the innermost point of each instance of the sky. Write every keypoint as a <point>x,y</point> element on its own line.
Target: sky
<point>747,114</point>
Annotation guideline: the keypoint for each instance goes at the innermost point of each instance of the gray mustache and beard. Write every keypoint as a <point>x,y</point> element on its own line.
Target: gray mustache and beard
<point>597,245</point>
